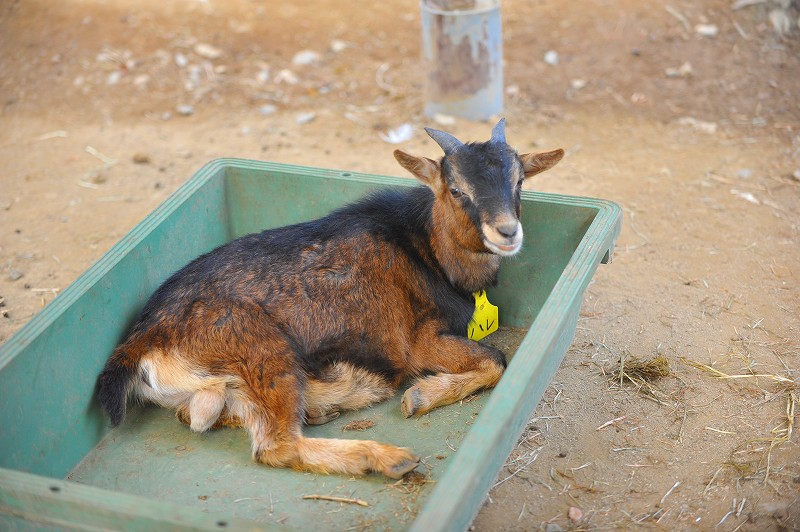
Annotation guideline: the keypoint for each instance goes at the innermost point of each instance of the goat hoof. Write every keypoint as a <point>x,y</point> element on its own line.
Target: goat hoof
<point>412,402</point>
<point>402,467</point>
<point>182,415</point>
<point>321,419</point>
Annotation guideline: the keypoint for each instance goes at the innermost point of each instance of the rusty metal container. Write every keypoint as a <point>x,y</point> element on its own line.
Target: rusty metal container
<point>462,49</point>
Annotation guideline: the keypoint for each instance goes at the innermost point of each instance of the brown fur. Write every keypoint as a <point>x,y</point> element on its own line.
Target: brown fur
<point>239,346</point>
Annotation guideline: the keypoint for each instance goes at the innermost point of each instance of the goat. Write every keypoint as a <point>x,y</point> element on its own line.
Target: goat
<point>247,336</point>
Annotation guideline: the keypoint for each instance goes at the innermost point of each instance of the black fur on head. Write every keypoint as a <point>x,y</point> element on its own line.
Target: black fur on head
<point>485,180</point>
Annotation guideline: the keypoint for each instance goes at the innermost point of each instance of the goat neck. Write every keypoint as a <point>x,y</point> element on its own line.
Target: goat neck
<point>458,248</point>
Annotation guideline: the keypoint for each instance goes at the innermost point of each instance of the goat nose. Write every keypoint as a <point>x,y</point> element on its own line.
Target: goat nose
<point>508,230</point>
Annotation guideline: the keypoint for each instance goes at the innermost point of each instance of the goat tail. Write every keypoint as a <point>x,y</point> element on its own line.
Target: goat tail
<point>115,383</point>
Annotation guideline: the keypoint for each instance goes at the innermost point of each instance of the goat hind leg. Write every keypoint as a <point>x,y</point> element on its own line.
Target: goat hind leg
<point>274,423</point>
<point>343,387</point>
<point>319,416</point>
<point>225,419</point>
<point>336,456</point>
<point>354,457</point>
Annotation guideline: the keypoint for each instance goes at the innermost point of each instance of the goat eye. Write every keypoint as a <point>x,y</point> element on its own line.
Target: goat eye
<point>456,192</point>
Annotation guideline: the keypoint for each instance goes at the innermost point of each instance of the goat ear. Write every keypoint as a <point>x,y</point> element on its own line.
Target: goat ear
<point>424,169</point>
<point>535,163</point>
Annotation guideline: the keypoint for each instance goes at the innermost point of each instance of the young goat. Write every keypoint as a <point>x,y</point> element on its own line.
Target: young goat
<point>247,335</point>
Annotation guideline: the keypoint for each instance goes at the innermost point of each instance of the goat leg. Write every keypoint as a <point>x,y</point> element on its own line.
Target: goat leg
<point>464,367</point>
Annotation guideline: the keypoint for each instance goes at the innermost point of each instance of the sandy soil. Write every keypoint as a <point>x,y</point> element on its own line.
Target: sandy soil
<point>702,162</point>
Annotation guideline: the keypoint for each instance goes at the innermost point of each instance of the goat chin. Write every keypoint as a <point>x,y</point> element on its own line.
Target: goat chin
<point>503,250</point>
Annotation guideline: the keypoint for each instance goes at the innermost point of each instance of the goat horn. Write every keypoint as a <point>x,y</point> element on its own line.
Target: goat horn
<point>499,131</point>
<point>445,140</point>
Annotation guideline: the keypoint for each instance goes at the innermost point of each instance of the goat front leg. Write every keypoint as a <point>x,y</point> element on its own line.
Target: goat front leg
<point>463,367</point>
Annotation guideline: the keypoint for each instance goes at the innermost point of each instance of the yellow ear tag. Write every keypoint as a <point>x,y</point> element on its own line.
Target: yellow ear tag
<point>484,321</point>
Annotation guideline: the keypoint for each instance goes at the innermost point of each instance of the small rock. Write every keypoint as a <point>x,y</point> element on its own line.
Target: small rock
<point>141,81</point>
<point>444,120</point>
<point>512,90</point>
<point>305,118</point>
<point>338,45</point>
<point>578,83</point>
<point>306,57</point>
<point>699,125</point>
<point>267,110</point>
<point>114,77</point>
<point>744,173</point>
<point>706,30</point>
<point>287,76</point>
<point>575,514</point>
<point>683,71</point>
<point>796,175</point>
<point>185,109</point>
<point>207,51</point>
<point>141,158</point>
<point>553,527</point>
<point>181,60</point>
<point>551,57</point>
<point>15,275</point>
<point>781,22</point>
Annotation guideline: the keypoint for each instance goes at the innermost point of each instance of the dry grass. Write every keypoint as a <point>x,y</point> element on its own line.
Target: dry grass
<point>636,370</point>
<point>409,489</point>
<point>779,435</point>
<point>360,425</point>
<point>789,383</point>
<point>643,373</point>
<point>331,498</point>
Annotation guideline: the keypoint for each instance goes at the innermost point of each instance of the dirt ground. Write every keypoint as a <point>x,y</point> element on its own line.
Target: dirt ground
<point>696,136</point>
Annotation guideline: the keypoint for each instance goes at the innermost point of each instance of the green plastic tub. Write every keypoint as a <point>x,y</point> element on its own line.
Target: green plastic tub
<point>61,466</point>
